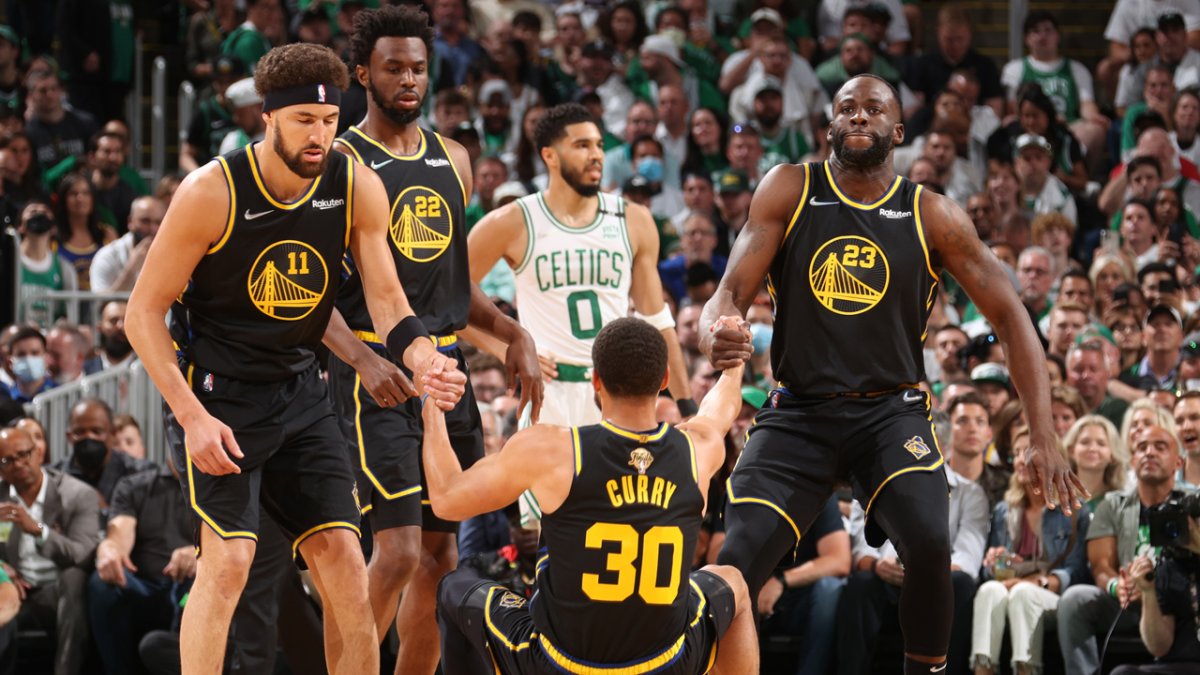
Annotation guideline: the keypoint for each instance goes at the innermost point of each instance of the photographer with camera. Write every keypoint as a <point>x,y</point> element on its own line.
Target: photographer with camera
<point>1119,533</point>
<point>1169,595</point>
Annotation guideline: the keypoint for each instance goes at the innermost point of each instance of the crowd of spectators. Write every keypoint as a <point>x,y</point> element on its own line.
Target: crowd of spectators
<point>1083,181</point>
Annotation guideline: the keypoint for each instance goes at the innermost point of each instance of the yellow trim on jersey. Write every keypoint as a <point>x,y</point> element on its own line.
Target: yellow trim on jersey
<point>267,193</point>
<point>649,665</point>
<point>349,200</point>
<point>351,148</point>
<point>366,508</point>
<point>575,444</point>
<point>417,155</point>
<point>921,230</point>
<point>702,604</point>
<point>641,438</point>
<point>496,633</point>
<point>712,658</point>
<point>362,450</point>
<point>692,455</point>
<point>232,208</point>
<point>755,500</point>
<point>440,341</point>
<point>800,205</point>
<point>858,205</point>
<point>461,184</point>
<point>236,534</point>
<point>338,524</point>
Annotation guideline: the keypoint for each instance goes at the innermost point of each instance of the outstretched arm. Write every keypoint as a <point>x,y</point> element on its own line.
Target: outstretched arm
<point>956,247</point>
<point>537,458</point>
<point>718,410</point>
<point>519,352</point>
<point>771,211</point>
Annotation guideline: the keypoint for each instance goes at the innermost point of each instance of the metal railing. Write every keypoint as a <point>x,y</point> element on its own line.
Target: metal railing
<point>186,107</point>
<point>133,107</point>
<point>127,389</point>
<point>158,119</point>
<point>72,301</point>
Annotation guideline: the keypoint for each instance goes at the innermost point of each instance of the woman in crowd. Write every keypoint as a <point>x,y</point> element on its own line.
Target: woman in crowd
<point>80,232</point>
<point>1066,407</point>
<point>706,143</point>
<point>25,180</point>
<point>1142,413</point>
<point>528,164</point>
<point>1004,189</point>
<point>624,27</point>
<point>1036,115</point>
<point>1098,456</point>
<point>1109,270</point>
<point>1126,328</point>
<point>1034,554</point>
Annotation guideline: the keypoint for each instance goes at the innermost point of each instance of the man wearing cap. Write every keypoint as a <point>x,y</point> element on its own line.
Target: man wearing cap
<point>251,41</point>
<point>1163,336</point>
<point>212,121</point>
<point>1067,82</point>
<point>787,141</point>
<point>257,240</point>
<point>1041,190</point>
<point>733,200</point>
<point>494,122</point>
<point>1129,16</point>
<point>992,382</point>
<point>247,115</point>
<point>595,72</point>
<point>661,60</point>
<point>804,99</point>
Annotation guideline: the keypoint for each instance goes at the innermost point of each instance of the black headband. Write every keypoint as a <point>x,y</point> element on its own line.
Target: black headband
<point>301,94</point>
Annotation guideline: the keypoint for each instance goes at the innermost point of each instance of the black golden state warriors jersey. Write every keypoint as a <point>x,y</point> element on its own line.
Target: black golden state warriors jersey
<point>619,550</point>
<point>427,231</point>
<point>258,303</point>
<point>852,285</point>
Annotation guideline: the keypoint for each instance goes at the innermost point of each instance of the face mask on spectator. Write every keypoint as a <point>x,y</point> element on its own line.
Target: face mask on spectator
<point>39,224</point>
<point>29,368</point>
<point>90,453</point>
<point>650,168</point>
<point>760,337</point>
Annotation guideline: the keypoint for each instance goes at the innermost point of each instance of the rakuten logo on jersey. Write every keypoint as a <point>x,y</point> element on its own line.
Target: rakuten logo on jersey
<point>888,213</point>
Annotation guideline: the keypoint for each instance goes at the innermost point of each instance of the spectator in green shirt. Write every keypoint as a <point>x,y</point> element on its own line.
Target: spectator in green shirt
<point>250,41</point>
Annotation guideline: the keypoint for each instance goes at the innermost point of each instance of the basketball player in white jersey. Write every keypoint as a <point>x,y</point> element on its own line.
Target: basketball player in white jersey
<point>580,257</point>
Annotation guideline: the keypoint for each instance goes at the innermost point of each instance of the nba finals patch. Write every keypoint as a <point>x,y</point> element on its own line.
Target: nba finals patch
<point>849,275</point>
<point>511,600</point>
<point>641,459</point>
<point>916,446</point>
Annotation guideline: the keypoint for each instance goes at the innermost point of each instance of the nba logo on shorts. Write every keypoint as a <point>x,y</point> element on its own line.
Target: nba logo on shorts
<point>208,382</point>
<point>320,93</point>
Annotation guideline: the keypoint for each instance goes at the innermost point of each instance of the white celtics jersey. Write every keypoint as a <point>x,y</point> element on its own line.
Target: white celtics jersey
<point>573,281</point>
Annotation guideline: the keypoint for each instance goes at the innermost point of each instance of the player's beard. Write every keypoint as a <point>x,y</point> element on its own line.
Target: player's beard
<point>862,158</point>
<point>574,178</point>
<point>295,161</point>
<point>397,116</point>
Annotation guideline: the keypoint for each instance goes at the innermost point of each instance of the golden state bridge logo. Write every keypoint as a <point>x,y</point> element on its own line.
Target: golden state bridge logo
<point>288,280</point>
<point>849,275</point>
<point>421,224</point>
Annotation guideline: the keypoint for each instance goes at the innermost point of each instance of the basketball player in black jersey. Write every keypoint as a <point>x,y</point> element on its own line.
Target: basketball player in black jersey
<point>851,253</point>
<point>622,503</point>
<point>428,180</point>
<point>248,254</point>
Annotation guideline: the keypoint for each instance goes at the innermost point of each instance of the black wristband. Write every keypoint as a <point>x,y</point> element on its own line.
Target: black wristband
<point>782,580</point>
<point>410,328</point>
<point>687,407</point>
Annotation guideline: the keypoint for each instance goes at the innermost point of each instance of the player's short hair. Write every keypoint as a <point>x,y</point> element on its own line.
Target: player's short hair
<point>298,64</point>
<point>29,333</point>
<point>553,125</point>
<point>398,21</point>
<point>630,358</point>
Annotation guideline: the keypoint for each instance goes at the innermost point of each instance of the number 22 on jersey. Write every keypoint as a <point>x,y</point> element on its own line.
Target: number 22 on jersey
<point>635,562</point>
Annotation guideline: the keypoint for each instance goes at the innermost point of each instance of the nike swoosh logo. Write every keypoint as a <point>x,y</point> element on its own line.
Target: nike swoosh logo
<point>251,216</point>
<point>911,399</point>
<point>938,669</point>
<point>376,165</point>
<point>814,202</point>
